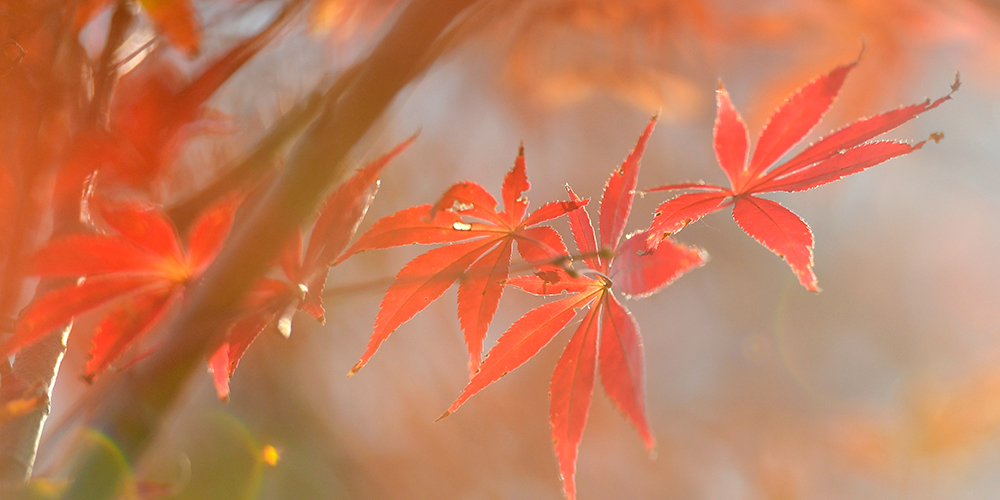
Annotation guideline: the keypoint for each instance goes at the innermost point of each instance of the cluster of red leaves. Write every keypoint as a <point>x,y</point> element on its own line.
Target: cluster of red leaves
<point>608,335</point>
<point>607,340</point>
<point>130,262</point>
<point>134,262</point>
<point>155,111</point>
<point>479,256</point>
<point>306,273</point>
<point>133,265</point>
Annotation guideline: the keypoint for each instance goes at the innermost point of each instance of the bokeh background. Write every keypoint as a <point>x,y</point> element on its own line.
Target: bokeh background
<point>885,385</point>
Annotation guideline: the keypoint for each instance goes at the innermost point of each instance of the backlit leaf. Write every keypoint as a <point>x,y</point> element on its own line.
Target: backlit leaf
<point>465,212</point>
<point>418,284</point>
<point>616,204</point>
<point>570,391</point>
<point>639,272</point>
<point>129,319</point>
<point>478,296</point>
<point>607,334</point>
<point>522,341</point>
<point>842,153</point>
<point>781,231</point>
<point>622,366</point>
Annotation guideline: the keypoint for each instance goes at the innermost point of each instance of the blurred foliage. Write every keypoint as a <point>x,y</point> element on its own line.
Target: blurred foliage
<point>883,386</point>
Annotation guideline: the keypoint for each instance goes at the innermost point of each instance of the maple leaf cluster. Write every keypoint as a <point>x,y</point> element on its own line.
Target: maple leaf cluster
<point>607,339</point>
<point>478,257</point>
<point>134,265</point>
<point>120,120</point>
<point>128,260</point>
<point>134,261</point>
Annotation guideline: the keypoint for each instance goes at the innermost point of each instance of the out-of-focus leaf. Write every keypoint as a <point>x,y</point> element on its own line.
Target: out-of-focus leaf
<point>140,271</point>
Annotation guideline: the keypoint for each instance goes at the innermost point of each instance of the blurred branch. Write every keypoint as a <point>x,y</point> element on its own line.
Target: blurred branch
<point>38,364</point>
<point>259,161</point>
<point>106,74</point>
<point>7,323</point>
<point>143,397</point>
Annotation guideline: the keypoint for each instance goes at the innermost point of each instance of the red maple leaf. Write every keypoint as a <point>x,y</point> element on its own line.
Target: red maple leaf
<point>139,267</point>
<point>478,255</point>
<point>842,153</point>
<point>154,112</point>
<point>306,273</point>
<point>608,336</point>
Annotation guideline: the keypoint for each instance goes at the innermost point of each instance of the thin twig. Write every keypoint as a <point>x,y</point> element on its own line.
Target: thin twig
<point>383,282</point>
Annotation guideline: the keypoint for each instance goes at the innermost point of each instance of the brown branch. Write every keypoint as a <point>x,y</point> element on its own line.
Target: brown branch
<point>144,396</point>
<point>106,74</point>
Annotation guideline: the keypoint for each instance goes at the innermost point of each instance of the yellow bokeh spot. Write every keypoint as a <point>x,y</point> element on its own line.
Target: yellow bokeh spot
<point>270,455</point>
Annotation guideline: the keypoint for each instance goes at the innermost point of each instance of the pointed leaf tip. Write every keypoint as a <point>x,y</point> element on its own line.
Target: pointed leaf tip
<point>796,118</point>
<point>619,191</point>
